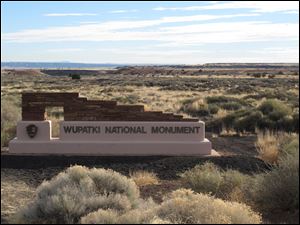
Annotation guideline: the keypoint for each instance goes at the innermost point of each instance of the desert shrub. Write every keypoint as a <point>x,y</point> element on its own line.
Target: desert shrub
<point>270,115</point>
<point>185,207</point>
<point>75,76</point>
<point>290,148</point>
<point>211,105</point>
<point>274,109</point>
<point>229,119</point>
<point>231,105</point>
<point>194,107</point>
<point>219,99</point>
<point>296,121</point>
<point>204,178</point>
<point>215,125</point>
<point>213,109</point>
<point>10,115</point>
<point>210,179</point>
<point>278,189</point>
<point>276,116</point>
<point>180,207</point>
<point>77,192</point>
<point>233,184</point>
<point>145,214</point>
<point>257,75</point>
<point>143,178</point>
<point>248,122</point>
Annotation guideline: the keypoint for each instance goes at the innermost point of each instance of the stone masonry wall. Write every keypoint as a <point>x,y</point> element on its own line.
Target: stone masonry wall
<point>80,109</point>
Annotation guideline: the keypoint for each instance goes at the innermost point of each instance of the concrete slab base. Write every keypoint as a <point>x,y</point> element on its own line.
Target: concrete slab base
<point>121,148</point>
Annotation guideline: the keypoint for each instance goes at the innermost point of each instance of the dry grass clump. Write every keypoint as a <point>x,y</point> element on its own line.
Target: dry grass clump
<point>144,178</point>
<point>77,192</point>
<point>221,114</point>
<point>267,145</point>
<point>228,132</point>
<point>185,207</point>
<point>195,107</point>
<point>271,145</point>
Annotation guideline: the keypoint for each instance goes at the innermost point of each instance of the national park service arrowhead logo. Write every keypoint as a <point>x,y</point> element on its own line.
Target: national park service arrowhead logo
<point>32,130</point>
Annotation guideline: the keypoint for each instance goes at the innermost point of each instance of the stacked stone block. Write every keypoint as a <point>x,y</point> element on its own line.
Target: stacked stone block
<point>80,109</point>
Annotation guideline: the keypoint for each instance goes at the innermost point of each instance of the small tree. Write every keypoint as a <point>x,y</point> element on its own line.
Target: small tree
<point>75,76</point>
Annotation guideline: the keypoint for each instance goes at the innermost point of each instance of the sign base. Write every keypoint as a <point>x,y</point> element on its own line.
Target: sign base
<point>113,148</point>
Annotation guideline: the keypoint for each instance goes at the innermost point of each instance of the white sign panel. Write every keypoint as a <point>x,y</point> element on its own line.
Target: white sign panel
<point>131,131</point>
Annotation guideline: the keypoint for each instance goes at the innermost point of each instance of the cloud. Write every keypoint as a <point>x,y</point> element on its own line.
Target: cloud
<point>254,6</point>
<point>217,32</point>
<point>65,50</point>
<point>123,11</point>
<point>69,14</point>
<point>106,30</point>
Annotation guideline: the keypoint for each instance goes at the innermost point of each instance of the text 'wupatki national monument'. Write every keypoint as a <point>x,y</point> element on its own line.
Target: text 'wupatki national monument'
<point>96,127</point>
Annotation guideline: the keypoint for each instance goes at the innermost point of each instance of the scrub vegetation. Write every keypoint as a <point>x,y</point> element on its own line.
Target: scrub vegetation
<point>251,117</point>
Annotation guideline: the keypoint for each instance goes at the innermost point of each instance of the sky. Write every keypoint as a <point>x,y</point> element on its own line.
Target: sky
<point>154,32</point>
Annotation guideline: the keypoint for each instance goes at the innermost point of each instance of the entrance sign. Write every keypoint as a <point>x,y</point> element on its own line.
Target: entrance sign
<point>93,127</point>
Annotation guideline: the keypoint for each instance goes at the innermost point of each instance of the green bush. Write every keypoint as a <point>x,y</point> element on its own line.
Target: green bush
<point>77,192</point>
<point>219,99</point>
<point>296,121</point>
<point>291,148</point>
<point>275,109</point>
<point>10,115</point>
<point>270,115</point>
<point>215,125</point>
<point>210,179</point>
<point>277,116</point>
<point>231,105</point>
<point>75,76</point>
<point>213,109</point>
<point>230,119</point>
<point>233,181</point>
<point>278,189</point>
<point>248,122</point>
<point>205,178</point>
